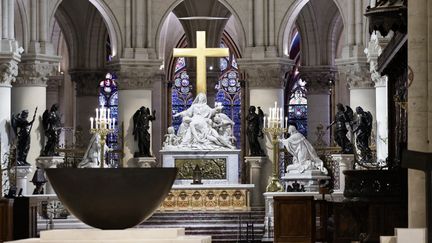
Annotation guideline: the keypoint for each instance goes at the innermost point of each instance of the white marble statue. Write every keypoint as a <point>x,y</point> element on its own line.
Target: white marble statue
<point>202,128</point>
<point>91,157</point>
<point>304,156</point>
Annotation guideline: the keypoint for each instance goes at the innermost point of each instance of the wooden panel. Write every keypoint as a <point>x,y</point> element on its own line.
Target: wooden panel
<point>25,218</point>
<point>294,219</point>
<point>6,219</point>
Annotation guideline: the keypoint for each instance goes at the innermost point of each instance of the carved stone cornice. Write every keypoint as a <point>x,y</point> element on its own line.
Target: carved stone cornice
<point>34,70</point>
<point>9,65</point>
<point>265,73</point>
<point>317,77</point>
<point>374,49</point>
<point>87,81</point>
<point>137,74</point>
<point>8,73</point>
<point>356,74</point>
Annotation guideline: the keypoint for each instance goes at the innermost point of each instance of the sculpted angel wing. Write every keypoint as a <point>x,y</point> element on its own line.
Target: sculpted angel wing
<point>349,114</point>
<point>135,120</point>
<point>45,119</point>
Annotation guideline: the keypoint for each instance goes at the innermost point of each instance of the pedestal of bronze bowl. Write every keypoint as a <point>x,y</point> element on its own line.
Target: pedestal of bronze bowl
<point>112,198</point>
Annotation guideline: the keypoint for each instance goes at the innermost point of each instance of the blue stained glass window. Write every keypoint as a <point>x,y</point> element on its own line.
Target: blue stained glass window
<point>181,93</point>
<point>296,93</point>
<point>108,97</point>
<point>229,92</point>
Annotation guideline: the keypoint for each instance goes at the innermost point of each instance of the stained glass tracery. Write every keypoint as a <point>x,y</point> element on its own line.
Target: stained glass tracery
<point>108,97</point>
<point>296,89</point>
<point>181,93</point>
<point>229,92</point>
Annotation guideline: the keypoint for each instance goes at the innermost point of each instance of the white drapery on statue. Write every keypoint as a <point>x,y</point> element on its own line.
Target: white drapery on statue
<point>202,128</point>
<point>304,156</point>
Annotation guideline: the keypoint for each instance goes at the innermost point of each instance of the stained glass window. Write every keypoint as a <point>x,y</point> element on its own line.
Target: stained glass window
<point>229,92</point>
<point>108,97</point>
<point>181,93</point>
<point>296,102</point>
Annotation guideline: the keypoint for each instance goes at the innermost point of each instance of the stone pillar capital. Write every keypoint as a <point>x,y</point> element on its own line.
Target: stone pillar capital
<point>317,77</point>
<point>34,70</point>
<point>55,82</point>
<point>87,81</point>
<point>138,74</point>
<point>357,74</point>
<point>265,73</point>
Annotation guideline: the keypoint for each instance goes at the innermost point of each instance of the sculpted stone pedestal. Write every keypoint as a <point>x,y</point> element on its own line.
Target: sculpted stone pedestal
<point>145,162</point>
<point>22,173</point>
<point>45,162</point>
<point>170,235</point>
<point>255,163</point>
<point>309,179</point>
<point>345,162</point>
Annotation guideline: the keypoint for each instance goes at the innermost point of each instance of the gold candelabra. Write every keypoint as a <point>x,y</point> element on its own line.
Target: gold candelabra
<point>275,128</point>
<point>103,125</point>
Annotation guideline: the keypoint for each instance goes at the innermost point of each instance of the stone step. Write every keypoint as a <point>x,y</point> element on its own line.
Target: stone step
<point>222,226</point>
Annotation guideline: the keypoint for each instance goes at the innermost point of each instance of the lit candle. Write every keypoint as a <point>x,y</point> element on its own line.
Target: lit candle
<point>286,122</point>
<point>113,123</point>
<point>91,122</point>
<point>281,117</point>
<point>96,122</point>
<point>269,124</point>
<point>97,113</point>
<point>109,111</point>
<point>264,122</point>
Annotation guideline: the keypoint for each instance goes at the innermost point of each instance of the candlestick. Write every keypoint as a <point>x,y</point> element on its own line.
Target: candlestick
<point>109,111</point>
<point>91,122</point>
<point>286,122</point>
<point>97,113</point>
<point>264,125</point>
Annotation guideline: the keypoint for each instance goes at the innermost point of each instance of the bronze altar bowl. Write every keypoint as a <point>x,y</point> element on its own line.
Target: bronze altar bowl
<point>112,198</point>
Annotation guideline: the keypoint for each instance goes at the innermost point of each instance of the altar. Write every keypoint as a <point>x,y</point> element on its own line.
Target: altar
<point>218,166</point>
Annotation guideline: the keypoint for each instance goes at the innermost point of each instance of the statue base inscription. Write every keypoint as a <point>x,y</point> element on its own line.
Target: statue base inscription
<point>218,166</point>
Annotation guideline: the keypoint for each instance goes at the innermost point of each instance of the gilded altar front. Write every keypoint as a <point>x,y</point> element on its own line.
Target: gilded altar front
<point>202,198</point>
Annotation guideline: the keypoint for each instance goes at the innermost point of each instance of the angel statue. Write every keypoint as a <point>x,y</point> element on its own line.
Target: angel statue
<point>362,128</point>
<point>141,120</point>
<point>254,130</point>
<point>22,129</point>
<point>51,124</point>
<point>343,118</point>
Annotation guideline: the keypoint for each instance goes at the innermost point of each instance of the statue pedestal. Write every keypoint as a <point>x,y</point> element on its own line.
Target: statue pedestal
<point>222,166</point>
<point>45,162</point>
<point>344,162</point>
<point>254,163</point>
<point>145,162</point>
<point>22,173</point>
<point>309,179</point>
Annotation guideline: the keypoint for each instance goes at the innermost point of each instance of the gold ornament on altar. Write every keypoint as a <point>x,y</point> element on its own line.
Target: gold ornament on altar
<point>102,125</point>
<point>201,52</point>
<point>274,125</point>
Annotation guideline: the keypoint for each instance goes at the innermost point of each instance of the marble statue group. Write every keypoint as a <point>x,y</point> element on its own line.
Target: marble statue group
<point>202,128</point>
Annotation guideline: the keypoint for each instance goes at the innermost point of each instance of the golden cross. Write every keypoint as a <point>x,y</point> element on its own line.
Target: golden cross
<point>201,52</point>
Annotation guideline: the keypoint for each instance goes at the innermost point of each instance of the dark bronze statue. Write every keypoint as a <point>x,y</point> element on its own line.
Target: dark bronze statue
<point>141,119</point>
<point>362,128</point>
<point>254,130</point>
<point>22,129</point>
<point>39,180</point>
<point>51,124</point>
<point>342,117</point>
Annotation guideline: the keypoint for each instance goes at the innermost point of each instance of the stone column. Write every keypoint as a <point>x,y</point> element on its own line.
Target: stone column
<point>8,72</point>
<point>87,91</point>
<point>265,82</point>
<point>136,84</point>
<point>318,96</point>
<point>54,85</point>
<point>375,46</point>
<point>254,163</point>
<point>29,92</point>
<point>419,106</point>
